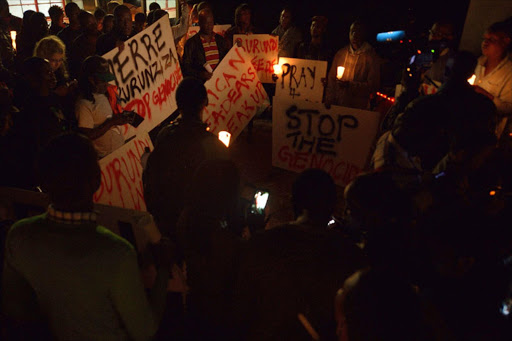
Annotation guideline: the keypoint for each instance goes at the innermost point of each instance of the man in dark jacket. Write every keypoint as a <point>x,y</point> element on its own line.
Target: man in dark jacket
<point>122,31</point>
<point>204,51</point>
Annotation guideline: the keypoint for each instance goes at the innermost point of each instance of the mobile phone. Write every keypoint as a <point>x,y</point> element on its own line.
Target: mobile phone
<point>259,202</point>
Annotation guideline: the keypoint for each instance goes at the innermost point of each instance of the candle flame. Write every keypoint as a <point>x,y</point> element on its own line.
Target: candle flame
<point>13,38</point>
<point>277,69</point>
<point>341,71</point>
<point>471,80</point>
<point>224,137</point>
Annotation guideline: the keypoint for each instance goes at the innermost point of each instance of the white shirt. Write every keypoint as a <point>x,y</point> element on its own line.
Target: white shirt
<point>91,115</point>
<point>499,84</point>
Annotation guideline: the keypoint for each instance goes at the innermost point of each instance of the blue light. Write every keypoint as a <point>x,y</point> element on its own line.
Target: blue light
<point>390,36</point>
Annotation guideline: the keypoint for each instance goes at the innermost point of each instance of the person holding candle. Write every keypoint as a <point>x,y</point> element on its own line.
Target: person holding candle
<point>494,72</point>
<point>358,68</point>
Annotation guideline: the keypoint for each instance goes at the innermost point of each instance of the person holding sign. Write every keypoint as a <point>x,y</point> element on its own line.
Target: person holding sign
<point>317,48</point>
<point>243,23</point>
<point>122,31</point>
<point>361,74</point>
<point>289,34</point>
<point>204,51</point>
<point>93,110</point>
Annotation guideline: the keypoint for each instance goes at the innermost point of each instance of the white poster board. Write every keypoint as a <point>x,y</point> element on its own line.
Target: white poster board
<point>337,140</point>
<point>263,50</point>
<point>147,74</point>
<point>121,175</point>
<point>301,79</point>
<point>235,94</point>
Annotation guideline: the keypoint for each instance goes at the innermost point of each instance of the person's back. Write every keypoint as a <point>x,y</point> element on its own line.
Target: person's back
<point>79,273</point>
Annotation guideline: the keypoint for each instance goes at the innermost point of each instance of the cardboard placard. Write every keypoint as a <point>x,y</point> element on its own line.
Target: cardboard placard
<point>235,94</point>
<point>301,79</point>
<point>337,140</point>
<point>121,175</point>
<point>219,29</point>
<point>263,50</point>
<point>147,74</point>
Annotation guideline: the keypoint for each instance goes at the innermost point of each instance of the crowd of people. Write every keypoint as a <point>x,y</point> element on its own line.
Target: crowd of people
<point>422,251</point>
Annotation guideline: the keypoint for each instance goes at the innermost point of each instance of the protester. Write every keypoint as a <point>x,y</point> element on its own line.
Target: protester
<point>154,6</point>
<point>362,72</point>
<point>295,268</point>
<point>494,73</point>
<point>440,39</point>
<point>99,14</point>
<point>53,253</point>
<point>93,110</point>
<point>180,148</point>
<point>120,33</point>
<point>211,246</point>
<point>111,6</point>
<point>35,30</point>
<point>243,24</point>
<point>53,49</point>
<point>57,16</point>
<point>108,24</point>
<point>85,44</point>
<point>204,51</point>
<point>138,24</point>
<point>8,21</point>
<point>317,48</point>
<point>70,33</point>
<point>289,35</point>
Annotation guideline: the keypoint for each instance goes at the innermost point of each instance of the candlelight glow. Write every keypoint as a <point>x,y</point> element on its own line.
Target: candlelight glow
<point>341,71</point>
<point>13,38</point>
<point>277,69</point>
<point>224,137</point>
<point>471,80</point>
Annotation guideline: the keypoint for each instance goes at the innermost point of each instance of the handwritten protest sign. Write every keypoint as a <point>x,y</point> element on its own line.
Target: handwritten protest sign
<point>219,29</point>
<point>235,94</point>
<point>121,175</point>
<point>263,50</point>
<point>147,73</point>
<point>307,135</point>
<point>301,79</point>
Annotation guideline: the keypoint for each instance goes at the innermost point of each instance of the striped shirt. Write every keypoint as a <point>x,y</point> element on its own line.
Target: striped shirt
<point>211,52</point>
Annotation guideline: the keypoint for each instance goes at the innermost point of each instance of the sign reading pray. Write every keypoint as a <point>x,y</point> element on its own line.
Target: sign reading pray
<point>121,175</point>
<point>301,79</point>
<point>147,73</point>
<point>263,50</point>
<point>235,94</point>
<point>307,135</point>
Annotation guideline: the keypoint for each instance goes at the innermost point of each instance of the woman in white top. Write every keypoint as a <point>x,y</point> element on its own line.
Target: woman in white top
<point>494,72</point>
<point>93,110</point>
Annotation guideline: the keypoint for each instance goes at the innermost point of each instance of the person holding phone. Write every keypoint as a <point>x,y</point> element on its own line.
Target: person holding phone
<point>93,110</point>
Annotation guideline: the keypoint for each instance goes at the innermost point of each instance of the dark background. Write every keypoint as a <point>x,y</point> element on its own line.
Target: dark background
<point>417,16</point>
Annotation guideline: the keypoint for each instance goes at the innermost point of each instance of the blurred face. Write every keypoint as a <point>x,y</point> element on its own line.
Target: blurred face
<point>48,77</point>
<point>495,45</point>
<point>124,23</point>
<point>286,19</point>
<point>440,32</point>
<point>73,14</point>
<point>206,23</point>
<point>317,29</point>
<point>245,17</point>
<point>91,24</point>
<point>108,25</point>
<point>356,36</point>
<point>56,61</point>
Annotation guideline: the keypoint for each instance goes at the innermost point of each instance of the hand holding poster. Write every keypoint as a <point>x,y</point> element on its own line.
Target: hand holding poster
<point>235,94</point>
<point>301,79</point>
<point>121,175</point>
<point>263,50</point>
<point>307,135</point>
<point>147,73</point>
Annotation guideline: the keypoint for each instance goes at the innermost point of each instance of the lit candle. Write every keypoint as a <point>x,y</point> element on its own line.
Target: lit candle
<point>471,80</point>
<point>277,69</point>
<point>13,38</point>
<point>341,71</point>
<point>224,137</point>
